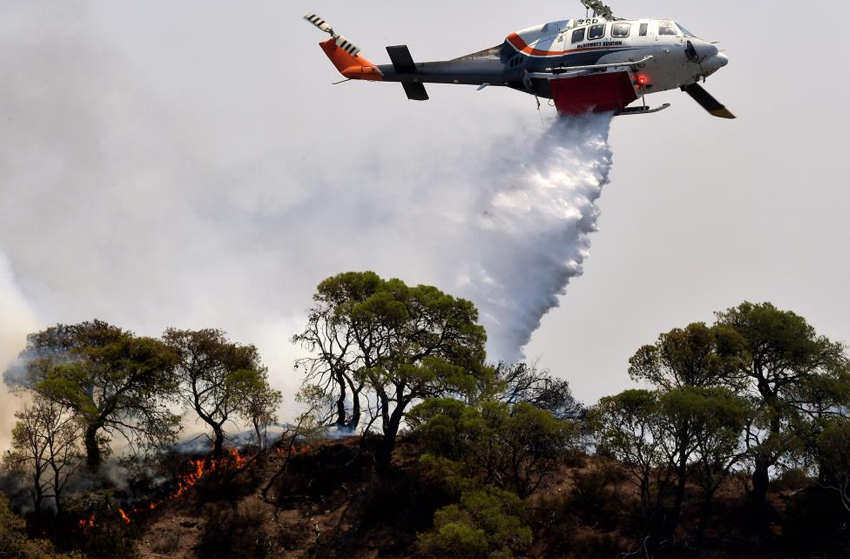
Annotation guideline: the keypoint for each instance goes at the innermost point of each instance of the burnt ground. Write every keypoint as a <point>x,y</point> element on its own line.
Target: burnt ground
<point>331,503</point>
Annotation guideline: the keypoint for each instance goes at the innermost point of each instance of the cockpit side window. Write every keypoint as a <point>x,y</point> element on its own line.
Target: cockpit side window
<point>621,30</point>
<point>644,29</point>
<point>667,28</point>
<point>596,32</point>
<point>578,35</point>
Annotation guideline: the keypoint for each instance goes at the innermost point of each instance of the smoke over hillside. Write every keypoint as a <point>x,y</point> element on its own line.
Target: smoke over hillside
<point>115,207</point>
<point>16,320</point>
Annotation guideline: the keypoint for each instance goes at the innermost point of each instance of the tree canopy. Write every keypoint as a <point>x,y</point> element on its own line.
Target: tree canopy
<point>221,380</point>
<point>118,383</point>
<point>399,343</point>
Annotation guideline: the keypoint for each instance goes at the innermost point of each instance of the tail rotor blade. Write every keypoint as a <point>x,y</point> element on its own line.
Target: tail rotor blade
<point>708,102</point>
<point>341,41</point>
<point>319,22</point>
<point>347,45</point>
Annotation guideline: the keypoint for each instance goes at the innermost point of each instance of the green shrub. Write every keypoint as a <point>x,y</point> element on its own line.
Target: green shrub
<point>486,523</point>
<point>13,536</point>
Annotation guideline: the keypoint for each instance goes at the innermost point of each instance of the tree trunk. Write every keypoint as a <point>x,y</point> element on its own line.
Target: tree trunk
<point>385,454</point>
<point>261,441</point>
<point>705,517</point>
<point>761,480</point>
<point>39,492</point>
<point>57,486</point>
<point>679,497</point>
<point>340,403</point>
<point>93,456</point>
<point>58,504</point>
<point>354,421</point>
<point>218,444</point>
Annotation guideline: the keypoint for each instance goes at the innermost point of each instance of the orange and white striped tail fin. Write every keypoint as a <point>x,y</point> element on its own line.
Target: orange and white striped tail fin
<point>344,54</point>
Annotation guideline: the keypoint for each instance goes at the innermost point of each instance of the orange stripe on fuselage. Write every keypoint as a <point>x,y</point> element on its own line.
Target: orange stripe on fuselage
<point>520,45</point>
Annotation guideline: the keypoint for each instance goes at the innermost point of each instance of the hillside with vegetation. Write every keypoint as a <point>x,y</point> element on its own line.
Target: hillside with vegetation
<point>734,441</point>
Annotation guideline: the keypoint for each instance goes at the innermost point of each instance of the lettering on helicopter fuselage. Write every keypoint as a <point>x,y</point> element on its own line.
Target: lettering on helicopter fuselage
<point>600,44</point>
<point>586,21</point>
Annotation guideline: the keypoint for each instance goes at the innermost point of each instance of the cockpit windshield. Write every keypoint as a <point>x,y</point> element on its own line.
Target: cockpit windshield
<point>667,28</point>
<point>685,30</point>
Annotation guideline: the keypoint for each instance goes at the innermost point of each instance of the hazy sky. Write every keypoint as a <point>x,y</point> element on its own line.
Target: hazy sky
<point>189,164</point>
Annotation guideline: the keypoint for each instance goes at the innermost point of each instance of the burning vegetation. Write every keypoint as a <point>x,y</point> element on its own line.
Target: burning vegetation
<point>739,444</point>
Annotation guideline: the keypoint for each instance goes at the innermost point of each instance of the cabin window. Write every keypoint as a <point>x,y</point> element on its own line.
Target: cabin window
<point>596,32</point>
<point>666,28</point>
<point>578,35</point>
<point>621,30</point>
<point>644,29</point>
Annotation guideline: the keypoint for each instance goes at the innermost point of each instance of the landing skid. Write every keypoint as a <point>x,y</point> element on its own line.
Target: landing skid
<point>644,110</point>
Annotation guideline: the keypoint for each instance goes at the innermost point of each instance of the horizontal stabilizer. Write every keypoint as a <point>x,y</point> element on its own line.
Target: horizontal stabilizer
<point>415,91</point>
<point>401,59</point>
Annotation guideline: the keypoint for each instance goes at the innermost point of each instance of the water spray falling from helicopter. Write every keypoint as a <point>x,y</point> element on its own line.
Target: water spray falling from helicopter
<point>532,236</point>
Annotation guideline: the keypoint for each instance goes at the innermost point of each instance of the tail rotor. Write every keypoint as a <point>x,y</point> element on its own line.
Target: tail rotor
<point>341,41</point>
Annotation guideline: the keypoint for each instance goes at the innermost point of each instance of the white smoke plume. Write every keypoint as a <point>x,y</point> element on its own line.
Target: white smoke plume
<point>532,237</point>
<point>16,321</point>
<point>116,206</point>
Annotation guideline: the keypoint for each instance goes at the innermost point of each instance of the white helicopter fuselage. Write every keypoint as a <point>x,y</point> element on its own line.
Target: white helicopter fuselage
<point>560,45</point>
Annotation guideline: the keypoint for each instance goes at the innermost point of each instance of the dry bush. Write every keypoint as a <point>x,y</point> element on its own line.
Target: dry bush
<point>166,542</point>
<point>234,532</point>
<point>592,519</point>
<point>320,473</point>
<point>291,536</point>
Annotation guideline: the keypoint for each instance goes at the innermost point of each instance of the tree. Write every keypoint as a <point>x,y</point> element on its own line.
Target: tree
<point>13,536</point>
<point>834,448</point>
<point>45,445</point>
<point>629,429</point>
<point>259,401</point>
<point>401,344</point>
<point>697,356</point>
<point>785,357</point>
<point>664,439</point>
<point>117,383</point>
<point>523,383</point>
<point>515,448</point>
<point>533,442</point>
<point>337,335</point>
<point>720,419</point>
<point>217,379</point>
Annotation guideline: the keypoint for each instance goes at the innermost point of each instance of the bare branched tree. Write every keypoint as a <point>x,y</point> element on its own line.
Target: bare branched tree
<point>46,445</point>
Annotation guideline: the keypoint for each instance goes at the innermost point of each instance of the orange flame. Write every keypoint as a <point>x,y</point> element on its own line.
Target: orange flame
<point>185,481</point>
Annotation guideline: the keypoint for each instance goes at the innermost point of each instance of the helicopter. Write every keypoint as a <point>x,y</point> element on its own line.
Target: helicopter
<point>599,63</point>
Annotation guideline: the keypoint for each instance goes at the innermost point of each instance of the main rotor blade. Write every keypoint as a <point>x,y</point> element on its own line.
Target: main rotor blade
<point>708,102</point>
